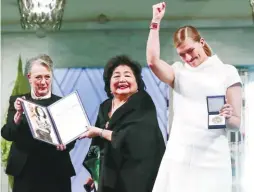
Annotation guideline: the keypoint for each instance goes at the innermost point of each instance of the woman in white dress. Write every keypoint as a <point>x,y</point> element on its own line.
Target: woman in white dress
<point>197,159</point>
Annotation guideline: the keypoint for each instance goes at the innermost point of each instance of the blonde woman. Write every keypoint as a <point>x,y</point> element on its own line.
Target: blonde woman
<point>197,159</point>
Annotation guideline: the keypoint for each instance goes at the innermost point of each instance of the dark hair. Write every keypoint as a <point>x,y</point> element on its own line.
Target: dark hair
<point>122,60</point>
<point>38,114</point>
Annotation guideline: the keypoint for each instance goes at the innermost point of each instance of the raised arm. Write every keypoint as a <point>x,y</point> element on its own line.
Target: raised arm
<point>160,68</point>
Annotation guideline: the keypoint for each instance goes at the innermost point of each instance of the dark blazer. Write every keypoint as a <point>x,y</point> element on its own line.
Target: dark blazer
<point>132,159</point>
<point>28,155</point>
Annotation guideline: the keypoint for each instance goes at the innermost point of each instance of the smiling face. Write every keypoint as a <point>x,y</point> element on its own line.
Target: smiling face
<point>192,52</point>
<point>123,82</point>
<point>40,78</point>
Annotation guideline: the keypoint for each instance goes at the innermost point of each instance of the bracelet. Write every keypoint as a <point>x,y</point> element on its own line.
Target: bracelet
<point>154,25</point>
<point>101,133</point>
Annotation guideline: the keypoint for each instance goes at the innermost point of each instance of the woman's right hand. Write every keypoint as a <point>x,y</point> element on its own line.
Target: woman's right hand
<point>18,105</point>
<point>89,184</point>
<point>19,109</point>
<point>158,11</point>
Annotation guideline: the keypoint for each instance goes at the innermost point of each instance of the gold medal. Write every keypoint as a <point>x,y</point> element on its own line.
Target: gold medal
<point>217,119</point>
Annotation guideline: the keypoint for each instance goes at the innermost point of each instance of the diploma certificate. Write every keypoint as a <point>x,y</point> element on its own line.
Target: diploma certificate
<point>60,123</point>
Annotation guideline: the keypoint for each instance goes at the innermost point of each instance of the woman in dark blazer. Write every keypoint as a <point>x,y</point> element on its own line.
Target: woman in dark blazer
<point>127,131</point>
<point>35,165</point>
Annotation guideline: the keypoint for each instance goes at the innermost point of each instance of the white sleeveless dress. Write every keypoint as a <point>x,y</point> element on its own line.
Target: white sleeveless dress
<point>197,159</point>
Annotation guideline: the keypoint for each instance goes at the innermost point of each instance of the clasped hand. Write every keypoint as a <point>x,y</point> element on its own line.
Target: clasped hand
<point>18,104</point>
<point>158,11</point>
<point>226,111</point>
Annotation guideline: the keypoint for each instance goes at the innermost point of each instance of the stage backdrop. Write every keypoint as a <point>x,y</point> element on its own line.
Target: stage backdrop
<point>89,83</point>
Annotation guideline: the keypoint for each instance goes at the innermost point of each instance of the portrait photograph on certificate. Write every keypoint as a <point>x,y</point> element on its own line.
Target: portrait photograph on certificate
<point>60,123</point>
<point>40,123</point>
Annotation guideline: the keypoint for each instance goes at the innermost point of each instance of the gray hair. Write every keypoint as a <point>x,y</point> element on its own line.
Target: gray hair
<point>40,59</point>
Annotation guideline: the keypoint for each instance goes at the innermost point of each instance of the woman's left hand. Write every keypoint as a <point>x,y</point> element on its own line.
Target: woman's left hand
<point>91,132</point>
<point>60,147</point>
<point>227,111</point>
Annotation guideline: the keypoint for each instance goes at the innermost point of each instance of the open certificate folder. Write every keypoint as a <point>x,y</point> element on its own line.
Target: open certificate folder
<point>59,123</point>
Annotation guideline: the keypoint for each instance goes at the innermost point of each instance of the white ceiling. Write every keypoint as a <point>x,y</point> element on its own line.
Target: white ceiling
<point>129,10</point>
